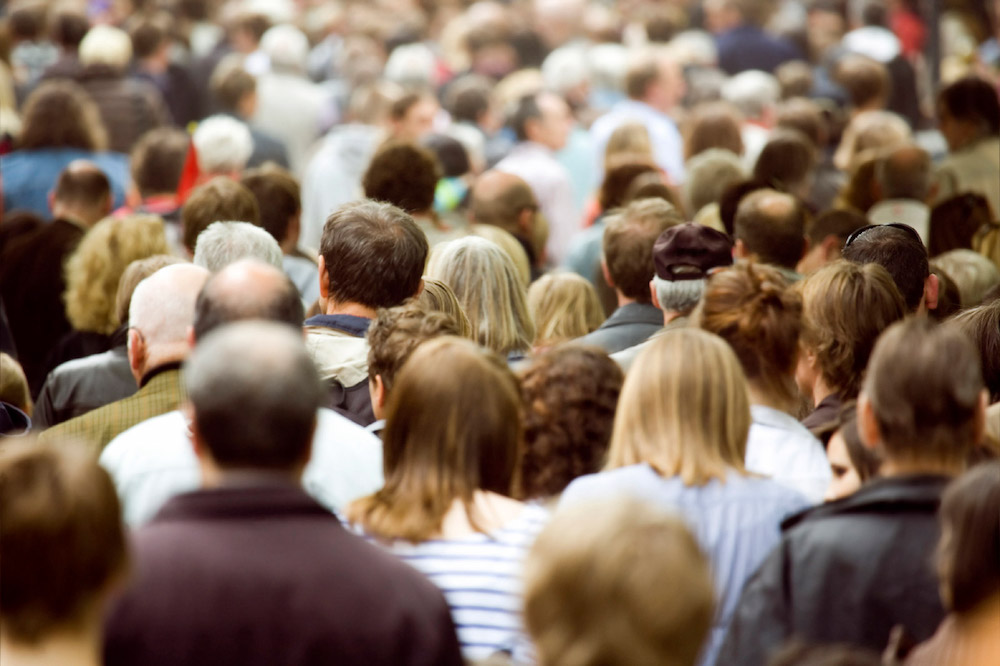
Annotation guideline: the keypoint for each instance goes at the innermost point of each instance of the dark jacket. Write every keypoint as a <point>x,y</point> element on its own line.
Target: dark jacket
<point>261,574</point>
<point>846,572</point>
<point>626,327</point>
<point>129,106</point>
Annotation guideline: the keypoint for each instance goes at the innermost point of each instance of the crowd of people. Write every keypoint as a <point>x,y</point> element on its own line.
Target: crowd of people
<point>556,332</point>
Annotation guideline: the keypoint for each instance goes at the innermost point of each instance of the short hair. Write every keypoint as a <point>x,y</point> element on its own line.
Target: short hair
<point>438,296</point>
<point>795,78</point>
<point>136,272</point>
<point>973,274</point>
<point>487,285</point>
<point>68,24</point>
<point>247,289</point>
<point>162,305</point>
<point>753,92</point>
<point>845,307</point>
<point>82,183</point>
<point>401,106</point>
<point>618,180</point>
<point>837,222</point>
<point>525,110</point>
<point>374,254</point>
<point>570,393</point>
<point>708,175</point>
<point>14,384</point>
<point>148,33</point>
<point>629,141</point>
<point>731,198</point>
<point>404,175</point>
<point>60,114</point>
<point>434,453</point>
<point>223,144</point>
<point>867,133</point>
<point>678,295</point>
<point>106,45</point>
<point>217,200</point>
<point>505,206</point>
<point>904,173</point>
<point>467,98</point>
<point>982,326</point>
<point>564,306</point>
<point>96,265</point>
<point>924,382</point>
<point>684,409</point>
<point>63,539</point>
<point>974,100</point>
<point>255,391</point>
<point>157,160</point>
<point>286,47</point>
<point>713,125</point>
<point>753,309</point>
<point>628,244</point>
<point>899,251</point>
<point>627,552</point>
<point>223,243</point>
<point>395,334</point>
<point>230,83</point>
<point>278,198</point>
<point>786,160</point>
<point>642,72</point>
<point>968,554</point>
<point>449,154</point>
<point>865,80</point>
<point>806,116</point>
<point>772,226</point>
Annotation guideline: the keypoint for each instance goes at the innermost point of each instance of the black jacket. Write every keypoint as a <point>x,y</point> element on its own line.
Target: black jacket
<point>846,572</point>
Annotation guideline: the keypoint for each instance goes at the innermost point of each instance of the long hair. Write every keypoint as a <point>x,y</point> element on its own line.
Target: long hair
<point>60,114</point>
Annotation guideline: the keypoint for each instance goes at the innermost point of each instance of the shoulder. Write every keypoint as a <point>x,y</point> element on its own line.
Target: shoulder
<point>160,434</point>
<point>611,482</point>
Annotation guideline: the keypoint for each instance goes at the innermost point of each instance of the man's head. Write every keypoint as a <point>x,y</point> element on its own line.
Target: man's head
<point>226,242</point>
<point>923,402</point>
<point>628,246</point>
<point>543,118</point>
<point>770,227</point>
<point>404,175</point>
<point>393,336</point>
<point>106,45</point>
<point>218,199</point>
<point>279,199</point>
<point>82,194</point>
<point>827,235</point>
<point>223,145</point>
<point>899,250</point>
<point>968,109</point>
<point>755,94</point>
<point>786,162</point>
<point>160,314</point>
<point>286,47</point>
<point>866,81</point>
<point>656,79</point>
<point>683,257</point>
<point>904,173</point>
<point>234,89</point>
<point>253,392</point>
<point>371,254</point>
<point>709,173</point>
<point>504,200</point>
<point>157,160</point>
<point>411,117</point>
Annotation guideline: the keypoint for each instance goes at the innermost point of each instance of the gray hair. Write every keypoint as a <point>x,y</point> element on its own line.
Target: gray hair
<point>753,92</point>
<point>223,144</point>
<point>565,69</point>
<point>223,243</point>
<point>695,47</point>
<point>709,173</point>
<point>972,273</point>
<point>286,46</point>
<point>162,305</point>
<point>106,45</point>
<point>678,295</point>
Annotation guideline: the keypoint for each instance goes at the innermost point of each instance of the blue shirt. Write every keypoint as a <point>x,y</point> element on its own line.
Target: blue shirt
<point>737,523</point>
<point>29,175</point>
<point>668,146</point>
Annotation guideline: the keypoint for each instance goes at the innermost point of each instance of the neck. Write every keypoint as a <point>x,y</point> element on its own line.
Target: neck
<point>760,396</point>
<point>978,626</point>
<point>623,299</point>
<point>670,315</point>
<point>64,648</point>
<point>820,391</point>
<point>158,359</point>
<point>915,466</point>
<point>354,309</point>
<point>213,476</point>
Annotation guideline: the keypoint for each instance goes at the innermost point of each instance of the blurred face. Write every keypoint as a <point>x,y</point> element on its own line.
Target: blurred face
<point>806,372</point>
<point>669,88</point>
<point>418,121</point>
<point>845,478</point>
<point>553,127</point>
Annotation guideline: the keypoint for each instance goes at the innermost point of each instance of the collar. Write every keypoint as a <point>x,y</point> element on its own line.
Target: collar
<point>268,496</point>
<point>631,313</point>
<point>158,370</point>
<point>356,326</point>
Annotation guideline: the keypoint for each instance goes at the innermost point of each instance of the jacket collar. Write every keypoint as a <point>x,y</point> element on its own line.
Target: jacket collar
<point>350,324</point>
<point>160,370</point>
<point>262,496</point>
<point>635,313</point>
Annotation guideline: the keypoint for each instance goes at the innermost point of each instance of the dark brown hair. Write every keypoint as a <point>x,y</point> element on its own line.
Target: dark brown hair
<point>278,198</point>
<point>628,244</point>
<point>60,114</point>
<point>219,200</point>
<point>713,125</point>
<point>403,174</point>
<point>772,226</point>
<point>158,159</point>
<point>982,325</point>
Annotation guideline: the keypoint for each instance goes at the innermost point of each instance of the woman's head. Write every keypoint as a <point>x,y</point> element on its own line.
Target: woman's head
<point>630,140</point>
<point>453,427</point>
<point>713,125</point>
<point>982,325</point>
<point>60,114</point>
<point>490,290</point>
<point>564,306</point>
<point>439,297</point>
<point>851,462</point>
<point>684,409</point>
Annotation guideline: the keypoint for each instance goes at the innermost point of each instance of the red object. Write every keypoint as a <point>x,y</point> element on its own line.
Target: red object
<point>910,30</point>
<point>190,174</point>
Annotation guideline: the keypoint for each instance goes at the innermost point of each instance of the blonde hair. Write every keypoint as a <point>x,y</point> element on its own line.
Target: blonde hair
<point>439,297</point>
<point>106,45</point>
<point>97,264</point>
<point>684,409</point>
<point>564,306</point>
<point>13,384</point>
<point>509,244</point>
<point>486,283</point>
<point>631,140</point>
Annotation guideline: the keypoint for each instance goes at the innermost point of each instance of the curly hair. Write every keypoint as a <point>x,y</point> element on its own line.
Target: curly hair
<point>570,394</point>
<point>97,264</point>
<point>60,114</point>
<point>403,174</point>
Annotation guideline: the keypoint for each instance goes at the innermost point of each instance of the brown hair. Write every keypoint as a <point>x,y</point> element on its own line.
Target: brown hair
<point>628,244</point>
<point>230,83</point>
<point>752,308</point>
<point>846,307</point>
<point>570,394</point>
<point>278,197</point>
<point>452,428</point>
<point>564,306</point>
<point>772,226</point>
<point>806,116</point>
<point>403,174</point>
<point>713,125</point>
<point>618,178</point>
<point>982,325</point>
<point>157,160</point>
<point>864,79</point>
<point>640,75</point>
<point>630,139</point>
<point>63,539</point>
<point>786,160</point>
<point>219,200</point>
<point>60,114</point>
<point>395,334</point>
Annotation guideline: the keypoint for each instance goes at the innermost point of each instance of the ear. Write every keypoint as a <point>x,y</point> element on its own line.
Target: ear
<point>420,288</point>
<point>652,294</point>
<point>379,396</point>
<point>525,221</point>
<point>191,341</point>
<point>868,428</point>
<point>324,279</point>
<point>606,273</point>
<point>931,288</point>
<point>740,250</point>
<point>136,353</point>
<point>832,247</point>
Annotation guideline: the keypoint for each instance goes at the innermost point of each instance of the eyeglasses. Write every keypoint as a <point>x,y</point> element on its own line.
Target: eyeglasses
<point>905,227</point>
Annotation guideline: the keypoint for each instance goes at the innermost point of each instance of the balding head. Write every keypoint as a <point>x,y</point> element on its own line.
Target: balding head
<point>905,173</point>
<point>247,289</point>
<point>82,194</point>
<point>503,200</point>
<point>770,226</point>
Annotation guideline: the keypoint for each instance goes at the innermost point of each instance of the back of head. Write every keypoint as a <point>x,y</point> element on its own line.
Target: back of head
<point>395,334</point>
<point>374,254</point>
<point>866,81</point>
<point>904,173</point>
<point>786,161</point>
<point>162,305</point>
<point>68,24</point>
<point>974,100</point>
<point>628,552</point>
<point>806,116</point>
<point>438,296</point>
<point>772,227</point>
<point>247,289</point>
<point>563,306</point>
<point>753,92</point>
<point>499,199</point>
<point>982,326</point>
<point>223,145</point>
<point>286,47</point>
<point>973,274</point>
<point>60,114</point>
<point>403,174</point>
<point>618,179</point>
<point>468,97</point>
<point>897,249</point>
<point>82,185</point>
<point>278,197</point>
<point>713,125</point>
<point>106,45</point>
<point>63,541</point>
<point>525,111</point>
<point>149,33</point>
<point>486,283</point>
<point>157,160</point>
<point>136,272</point>
<point>255,392</point>
<point>684,409</point>
<point>731,198</point>
<point>223,243</point>
<point>708,175</point>
<point>924,384</point>
<point>628,243</point>
<point>217,200</point>
<point>231,84</point>
<point>840,223</point>
<point>845,308</point>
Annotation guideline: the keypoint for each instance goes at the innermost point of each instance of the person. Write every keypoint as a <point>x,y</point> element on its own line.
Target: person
<point>712,125</point>
<point>679,442</point>
<point>849,571</point>
<point>156,162</point>
<point>973,274</point>
<point>372,256</point>
<point>852,464</point>
<point>161,310</point>
<point>220,199</point>
<point>903,181</point>
<point>564,306</point>
<point>14,385</point>
<point>250,540</point>
<point>221,147</point>
<point>542,123</point>
<point>438,297</point>
<point>865,80</point>
<point>64,555</point>
<point>968,565</point>
<point>451,439</point>
<point>899,249</point>
<point>504,200</point>
<point>753,309</point>
<point>982,325</point>
<point>487,285</point>
<point>32,280</point>
<point>742,42</point>
<point>770,228</point>
<point>223,243</point>
<point>628,552</point>
<point>570,394</point>
<point>836,340</point>
<point>787,161</point>
<point>755,94</point>
<point>709,174</point>
<point>152,37</point>
<point>235,92</point>
<point>826,236</point>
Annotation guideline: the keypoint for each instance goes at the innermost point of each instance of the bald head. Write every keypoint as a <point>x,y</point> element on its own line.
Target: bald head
<point>905,173</point>
<point>247,289</point>
<point>162,306</point>
<point>500,199</point>
<point>770,226</point>
<point>82,193</point>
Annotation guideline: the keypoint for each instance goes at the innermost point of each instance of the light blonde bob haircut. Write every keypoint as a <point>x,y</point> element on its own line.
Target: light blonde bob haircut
<point>564,306</point>
<point>628,552</point>
<point>438,297</point>
<point>684,409</point>
<point>491,292</point>
<point>453,427</point>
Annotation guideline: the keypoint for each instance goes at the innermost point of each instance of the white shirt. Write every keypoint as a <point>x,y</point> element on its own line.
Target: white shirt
<point>549,181</point>
<point>784,450</point>
<point>903,211</point>
<point>668,146</point>
<point>154,461</point>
